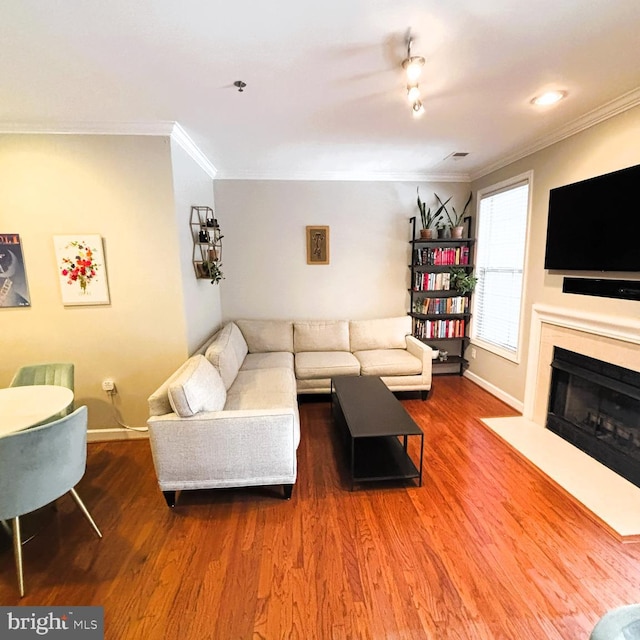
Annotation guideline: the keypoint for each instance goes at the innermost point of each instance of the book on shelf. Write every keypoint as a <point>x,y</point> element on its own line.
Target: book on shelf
<point>441,256</point>
<point>450,306</point>
<point>433,329</point>
<point>431,281</point>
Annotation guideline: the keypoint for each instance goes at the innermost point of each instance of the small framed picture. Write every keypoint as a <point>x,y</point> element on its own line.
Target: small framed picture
<point>82,271</point>
<point>317,244</point>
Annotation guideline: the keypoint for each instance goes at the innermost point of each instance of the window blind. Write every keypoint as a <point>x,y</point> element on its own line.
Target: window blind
<point>502,227</point>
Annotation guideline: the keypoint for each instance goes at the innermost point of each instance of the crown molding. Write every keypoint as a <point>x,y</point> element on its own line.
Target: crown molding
<point>90,128</point>
<point>184,141</point>
<point>613,108</point>
<point>344,176</point>
<point>169,129</point>
<point>173,130</point>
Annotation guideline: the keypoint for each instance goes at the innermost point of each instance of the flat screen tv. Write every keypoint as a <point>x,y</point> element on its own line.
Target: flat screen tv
<point>594,225</point>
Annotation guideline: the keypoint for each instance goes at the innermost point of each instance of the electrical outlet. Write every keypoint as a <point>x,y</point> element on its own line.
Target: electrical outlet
<point>473,353</point>
<point>108,385</point>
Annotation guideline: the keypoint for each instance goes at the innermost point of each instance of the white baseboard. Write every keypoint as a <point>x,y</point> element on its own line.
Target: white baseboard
<point>115,433</point>
<point>495,391</point>
<point>120,433</point>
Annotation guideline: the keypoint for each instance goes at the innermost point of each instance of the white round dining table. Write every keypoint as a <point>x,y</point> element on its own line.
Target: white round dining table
<point>31,405</point>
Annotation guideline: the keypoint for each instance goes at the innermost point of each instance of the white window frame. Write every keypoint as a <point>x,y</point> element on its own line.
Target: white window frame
<point>505,185</point>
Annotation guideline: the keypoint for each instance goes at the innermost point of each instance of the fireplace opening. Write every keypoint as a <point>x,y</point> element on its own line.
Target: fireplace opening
<point>595,405</point>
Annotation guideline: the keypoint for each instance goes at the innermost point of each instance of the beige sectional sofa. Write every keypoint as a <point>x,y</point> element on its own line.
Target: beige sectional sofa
<point>228,417</point>
<point>323,349</point>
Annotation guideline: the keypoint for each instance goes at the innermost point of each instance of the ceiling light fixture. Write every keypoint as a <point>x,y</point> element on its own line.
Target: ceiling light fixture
<point>413,92</point>
<point>412,66</point>
<point>417,109</point>
<point>549,98</point>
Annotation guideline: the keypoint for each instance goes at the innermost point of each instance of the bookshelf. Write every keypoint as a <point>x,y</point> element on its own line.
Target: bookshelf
<point>440,314</point>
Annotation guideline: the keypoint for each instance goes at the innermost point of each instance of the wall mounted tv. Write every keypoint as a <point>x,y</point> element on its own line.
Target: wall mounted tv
<point>594,225</point>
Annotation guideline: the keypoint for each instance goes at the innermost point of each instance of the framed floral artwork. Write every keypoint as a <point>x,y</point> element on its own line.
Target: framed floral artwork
<point>81,269</point>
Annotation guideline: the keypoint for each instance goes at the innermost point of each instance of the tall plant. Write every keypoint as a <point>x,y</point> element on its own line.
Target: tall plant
<point>457,218</point>
<point>430,220</point>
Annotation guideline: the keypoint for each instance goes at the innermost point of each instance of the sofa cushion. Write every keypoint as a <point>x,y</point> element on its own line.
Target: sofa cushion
<point>385,333</point>
<point>198,387</point>
<point>227,352</point>
<point>273,360</point>
<point>321,335</point>
<point>159,404</point>
<point>263,336</point>
<point>325,364</point>
<point>388,362</point>
<point>262,389</point>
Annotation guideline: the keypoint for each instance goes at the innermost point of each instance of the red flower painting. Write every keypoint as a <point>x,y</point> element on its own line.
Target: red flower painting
<point>81,268</point>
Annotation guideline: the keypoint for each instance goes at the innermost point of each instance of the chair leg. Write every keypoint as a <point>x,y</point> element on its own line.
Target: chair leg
<point>84,510</point>
<point>17,552</point>
<point>170,498</point>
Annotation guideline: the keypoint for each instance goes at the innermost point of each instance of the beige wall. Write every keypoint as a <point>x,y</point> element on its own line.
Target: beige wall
<point>136,193</point>
<point>610,145</point>
<point>267,275</point>
<point>119,187</point>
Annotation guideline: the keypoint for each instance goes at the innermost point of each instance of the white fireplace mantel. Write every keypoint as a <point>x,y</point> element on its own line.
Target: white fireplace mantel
<point>617,328</point>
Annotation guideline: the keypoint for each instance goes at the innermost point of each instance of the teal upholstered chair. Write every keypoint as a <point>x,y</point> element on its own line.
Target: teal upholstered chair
<point>622,623</point>
<point>39,465</point>
<point>59,374</point>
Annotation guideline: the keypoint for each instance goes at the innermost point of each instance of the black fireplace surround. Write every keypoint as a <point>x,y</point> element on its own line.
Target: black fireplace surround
<point>596,406</point>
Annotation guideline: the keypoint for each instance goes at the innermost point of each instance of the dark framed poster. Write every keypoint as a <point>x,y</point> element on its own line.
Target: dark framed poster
<point>14,291</point>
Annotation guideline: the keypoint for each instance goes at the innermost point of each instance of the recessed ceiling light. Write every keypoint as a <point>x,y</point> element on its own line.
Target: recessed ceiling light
<point>548,98</point>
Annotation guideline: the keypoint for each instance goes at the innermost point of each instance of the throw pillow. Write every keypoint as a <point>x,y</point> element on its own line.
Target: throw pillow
<point>199,387</point>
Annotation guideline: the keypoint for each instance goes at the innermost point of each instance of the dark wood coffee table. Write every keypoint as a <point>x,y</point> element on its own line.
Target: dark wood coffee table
<point>376,427</point>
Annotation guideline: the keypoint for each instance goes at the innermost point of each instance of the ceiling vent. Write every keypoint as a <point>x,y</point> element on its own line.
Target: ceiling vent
<point>457,155</point>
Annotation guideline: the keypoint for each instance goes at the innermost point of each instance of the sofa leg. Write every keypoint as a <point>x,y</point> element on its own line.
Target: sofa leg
<point>287,490</point>
<point>170,497</point>
<point>424,394</point>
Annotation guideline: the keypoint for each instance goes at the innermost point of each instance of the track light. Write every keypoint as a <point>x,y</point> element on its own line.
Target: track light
<point>412,66</point>
<point>413,92</point>
<point>417,109</point>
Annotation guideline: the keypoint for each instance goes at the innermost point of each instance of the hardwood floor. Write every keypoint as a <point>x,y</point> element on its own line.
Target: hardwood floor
<point>485,549</point>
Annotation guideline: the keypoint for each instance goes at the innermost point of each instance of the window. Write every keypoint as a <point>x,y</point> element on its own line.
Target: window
<point>502,229</point>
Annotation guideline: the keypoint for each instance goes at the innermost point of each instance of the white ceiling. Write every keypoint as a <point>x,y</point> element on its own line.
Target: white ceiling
<point>325,95</point>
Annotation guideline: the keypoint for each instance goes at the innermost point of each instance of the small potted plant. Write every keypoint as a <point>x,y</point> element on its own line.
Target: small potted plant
<point>429,220</point>
<point>457,219</point>
<point>211,269</point>
<point>462,281</point>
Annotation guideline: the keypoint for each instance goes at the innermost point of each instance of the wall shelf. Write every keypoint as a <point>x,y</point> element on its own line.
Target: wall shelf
<point>207,242</point>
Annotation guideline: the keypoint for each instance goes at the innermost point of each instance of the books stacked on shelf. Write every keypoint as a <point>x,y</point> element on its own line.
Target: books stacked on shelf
<point>426,306</point>
<point>431,281</point>
<point>435,256</point>
<point>431,329</point>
